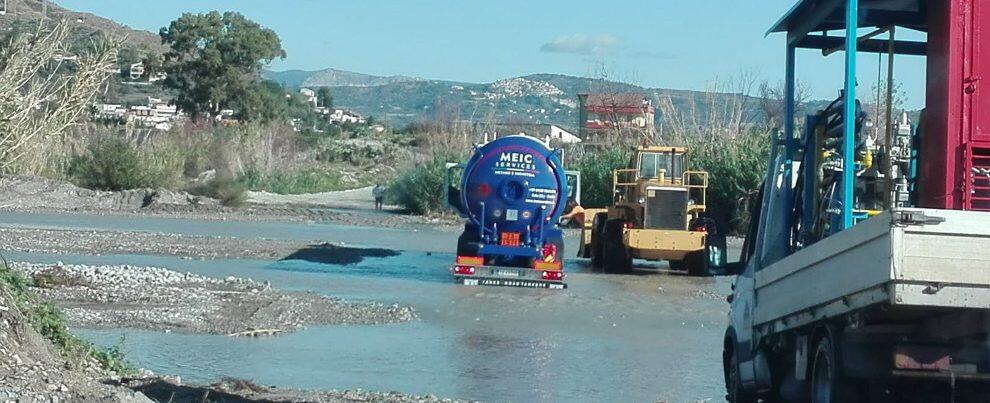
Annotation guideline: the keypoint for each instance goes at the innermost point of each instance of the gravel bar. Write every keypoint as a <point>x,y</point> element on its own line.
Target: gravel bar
<point>161,299</point>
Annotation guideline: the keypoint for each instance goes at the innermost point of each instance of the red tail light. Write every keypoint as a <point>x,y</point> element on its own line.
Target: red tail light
<point>627,225</point>
<point>549,252</point>
<point>464,270</point>
<point>555,275</point>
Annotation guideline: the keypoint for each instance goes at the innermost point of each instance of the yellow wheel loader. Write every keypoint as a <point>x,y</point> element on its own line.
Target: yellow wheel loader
<point>657,214</point>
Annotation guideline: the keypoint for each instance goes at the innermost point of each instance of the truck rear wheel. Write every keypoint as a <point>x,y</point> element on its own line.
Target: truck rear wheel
<point>597,229</point>
<point>615,254</point>
<point>467,243</point>
<point>827,383</point>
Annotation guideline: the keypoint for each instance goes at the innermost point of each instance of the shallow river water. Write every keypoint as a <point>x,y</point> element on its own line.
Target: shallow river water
<point>645,337</point>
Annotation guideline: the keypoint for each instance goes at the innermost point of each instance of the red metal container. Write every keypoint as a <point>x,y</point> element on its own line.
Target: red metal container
<point>955,138</point>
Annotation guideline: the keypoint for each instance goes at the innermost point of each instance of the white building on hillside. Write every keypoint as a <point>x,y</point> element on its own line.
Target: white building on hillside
<point>310,96</point>
<point>342,116</point>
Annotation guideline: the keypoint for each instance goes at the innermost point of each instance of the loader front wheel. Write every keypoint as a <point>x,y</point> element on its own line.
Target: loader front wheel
<point>597,231</point>
<point>697,263</point>
<point>615,255</point>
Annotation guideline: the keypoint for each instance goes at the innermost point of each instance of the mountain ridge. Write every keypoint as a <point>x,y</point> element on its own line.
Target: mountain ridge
<point>331,77</point>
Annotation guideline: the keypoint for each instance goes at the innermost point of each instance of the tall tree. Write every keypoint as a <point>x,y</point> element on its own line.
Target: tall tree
<point>215,60</point>
<point>324,98</point>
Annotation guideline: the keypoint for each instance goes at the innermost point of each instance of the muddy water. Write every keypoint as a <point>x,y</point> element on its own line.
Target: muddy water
<point>640,337</point>
<point>423,240</point>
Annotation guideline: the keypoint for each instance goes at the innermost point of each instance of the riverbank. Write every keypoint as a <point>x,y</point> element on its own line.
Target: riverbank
<point>350,207</point>
<point>161,299</point>
<point>237,390</point>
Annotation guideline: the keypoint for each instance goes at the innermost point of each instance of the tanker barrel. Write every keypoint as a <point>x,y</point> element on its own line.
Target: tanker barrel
<point>511,184</point>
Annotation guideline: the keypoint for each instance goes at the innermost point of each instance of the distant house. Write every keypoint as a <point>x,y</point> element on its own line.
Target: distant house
<point>605,115</point>
<point>343,116</point>
<point>156,113</point>
<point>109,108</point>
<point>547,132</point>
<point>310,96</point>
<point>160,76</point>
<point>136,71</point>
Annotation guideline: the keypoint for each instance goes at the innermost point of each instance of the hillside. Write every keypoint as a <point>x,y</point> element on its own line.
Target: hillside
<point>537,98</point>
<point>21,12</point>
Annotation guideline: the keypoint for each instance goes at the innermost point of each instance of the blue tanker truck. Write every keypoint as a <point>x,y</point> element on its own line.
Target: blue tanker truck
<point>512,192</point>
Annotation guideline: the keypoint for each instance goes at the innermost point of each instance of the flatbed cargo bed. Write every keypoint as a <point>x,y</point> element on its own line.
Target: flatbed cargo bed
<point>907,258</point>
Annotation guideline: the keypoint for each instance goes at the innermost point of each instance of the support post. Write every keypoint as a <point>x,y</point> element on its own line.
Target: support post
<point>849,118</point>
<point>790,144</point>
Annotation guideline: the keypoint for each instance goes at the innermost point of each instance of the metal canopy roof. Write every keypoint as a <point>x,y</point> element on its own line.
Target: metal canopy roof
<point>823,15</point>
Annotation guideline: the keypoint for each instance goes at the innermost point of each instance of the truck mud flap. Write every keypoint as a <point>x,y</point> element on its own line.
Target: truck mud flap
<point>504,282</point>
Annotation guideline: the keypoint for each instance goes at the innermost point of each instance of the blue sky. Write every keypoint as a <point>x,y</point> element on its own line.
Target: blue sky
<point>683,44</point>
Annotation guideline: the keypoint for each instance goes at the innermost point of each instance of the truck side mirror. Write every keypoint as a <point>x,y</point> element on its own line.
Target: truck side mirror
<point>452,186</point>
<point>573,185</point>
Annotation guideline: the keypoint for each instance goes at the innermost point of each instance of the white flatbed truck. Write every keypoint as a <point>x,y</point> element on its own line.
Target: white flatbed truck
<point>903,295</point>
<point>846,291</point>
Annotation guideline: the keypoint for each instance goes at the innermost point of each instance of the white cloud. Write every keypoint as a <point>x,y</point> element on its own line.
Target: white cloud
<point>583,44</point>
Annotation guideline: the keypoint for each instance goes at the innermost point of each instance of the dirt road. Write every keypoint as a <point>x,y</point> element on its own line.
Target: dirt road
<point>349,207</point>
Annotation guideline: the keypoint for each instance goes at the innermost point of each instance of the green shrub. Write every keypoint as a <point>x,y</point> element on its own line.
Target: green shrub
<point>292,181</point>
<point>596,175</point>
<point>48,321</point>
<point>420,189</point>
<point>230,192</point>
<point>111,163</point>
<point>355,152</point>
<point>735,168</point>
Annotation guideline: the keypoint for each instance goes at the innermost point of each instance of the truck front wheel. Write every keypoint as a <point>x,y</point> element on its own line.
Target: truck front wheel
<point>733,385</point>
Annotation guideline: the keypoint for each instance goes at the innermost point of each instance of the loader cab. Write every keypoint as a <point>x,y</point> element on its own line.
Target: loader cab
<point>663,164</point>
